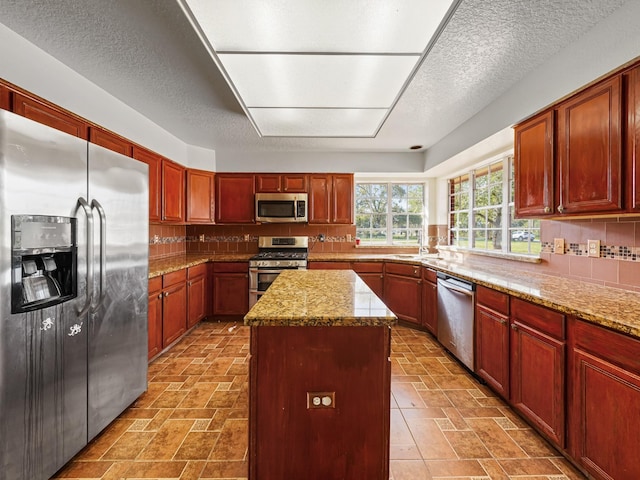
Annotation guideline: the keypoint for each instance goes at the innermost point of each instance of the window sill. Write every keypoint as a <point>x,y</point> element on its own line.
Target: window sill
<point>516,257</point>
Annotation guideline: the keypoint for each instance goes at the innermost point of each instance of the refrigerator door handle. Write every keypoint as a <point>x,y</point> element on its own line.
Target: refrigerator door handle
<point>87,210</point>
<point>103,250</point>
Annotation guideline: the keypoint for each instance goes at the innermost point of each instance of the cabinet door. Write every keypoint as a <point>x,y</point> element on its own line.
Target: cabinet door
<point>196,300</point>
<point>589,150</point>
<point>200,199</point>
<point>342,199</point>
<point>633,140</point>
<point>110,140</point>
<point>172,191</point>
<point>492,349</point>
<point>235,201</point>
<point>534,166</point>
<point>538,379</point>
<point>5,98</point>
<point>54,117</point>
<point>231,293</point>
<point>319,198</point>
<point>375,281</point>
<point>403,296</point>
<point>329,266</point>
<point>155,323</point>
<point>174,313</point>
<point>294,183</point>
<point>268,183</point>
<point>430,307</point>
<point>154,162</point>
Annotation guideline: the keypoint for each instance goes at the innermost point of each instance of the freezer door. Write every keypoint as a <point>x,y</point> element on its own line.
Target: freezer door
<point>43,367</point>
<point>118,191</point>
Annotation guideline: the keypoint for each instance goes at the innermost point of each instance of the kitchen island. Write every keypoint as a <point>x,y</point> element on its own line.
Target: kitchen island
<point>319,379</point>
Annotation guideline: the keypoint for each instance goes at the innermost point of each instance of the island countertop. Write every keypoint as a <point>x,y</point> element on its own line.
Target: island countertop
<point>319,298</point>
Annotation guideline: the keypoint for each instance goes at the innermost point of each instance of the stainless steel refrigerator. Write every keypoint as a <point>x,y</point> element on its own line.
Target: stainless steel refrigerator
<point>73,293</point>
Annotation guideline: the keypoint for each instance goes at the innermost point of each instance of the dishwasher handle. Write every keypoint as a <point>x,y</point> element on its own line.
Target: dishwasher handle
<point>452,287</point>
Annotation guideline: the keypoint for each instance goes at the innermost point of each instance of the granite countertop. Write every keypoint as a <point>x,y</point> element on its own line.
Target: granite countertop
<point>319,298</point>
<point>166,265</point>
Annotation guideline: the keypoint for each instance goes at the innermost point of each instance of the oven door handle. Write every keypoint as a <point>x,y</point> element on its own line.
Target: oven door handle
<point>263,270</point>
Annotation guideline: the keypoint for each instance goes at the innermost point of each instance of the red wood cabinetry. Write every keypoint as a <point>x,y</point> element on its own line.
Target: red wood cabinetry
<point>230,288</point>
<point>196,294</point>
<point>110,140</point>
<point>538,341</point>
<point>281,183</point>
<point>5,97</point>
<point>331,198</point>
<point>174,306</point>
<point>492,338</point>
<point>403,291</point>
<point>430,300</point>
<point>372,273</point>
<point>200,196</point>
<point>154,161</point>
<point>534,166</point>
<point>632,80</point>
<point>605,406</point>
<point>329,266</point>
<point>590,149</point>
<point>294,183</point>
<point>235,200</point>
<point>155,317</point>
<point>173,198</point>
<point>48,114</point>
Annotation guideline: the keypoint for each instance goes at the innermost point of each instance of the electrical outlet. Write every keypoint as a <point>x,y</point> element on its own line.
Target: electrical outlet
<point>321,400</point>
<point>321,237</point>
<point>558,246</point>
<point>201,237</point>
<point>246,237</point>
<point>348,237</point>
<point>593,248</point>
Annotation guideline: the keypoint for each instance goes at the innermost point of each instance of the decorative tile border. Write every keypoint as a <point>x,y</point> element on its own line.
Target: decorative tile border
<point>615,252</point>
<point>158,240</point>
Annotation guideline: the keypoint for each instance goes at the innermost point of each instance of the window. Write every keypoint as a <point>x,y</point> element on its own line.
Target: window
<point>479,203</point>
<point>389,213</point>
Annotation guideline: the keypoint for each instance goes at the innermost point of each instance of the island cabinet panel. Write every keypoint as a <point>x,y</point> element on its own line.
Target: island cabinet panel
<point>5,97</point>
<point>230,288</point>
<point>235,198</point>
<point>196,294</point>
<point>492,339</point>
<point>288,438</point>
<point>430,301</point>
<point>155,317</point>
<point>534,166</point>
<point>403,291</point>
<point>372,273</point>
<point>590,149</point>
<point>174,306</point>
<point>173,198</point>
<point>48,114</point>
<point>200,197</point>
<point>154,161</point>
<point>110,140</point>
<point>633,139</point>
<point>538,344</point>
<point>605,402</point>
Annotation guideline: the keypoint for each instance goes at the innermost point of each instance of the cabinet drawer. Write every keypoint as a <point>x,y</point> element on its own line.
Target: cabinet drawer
<point>174,277</point>
<point>429,275</point>
<point>493,299</point>
<point>367,267</point>
<point>197,271</point>
<point>155,284</point>
<point>230,267</point>
<point>403,269</point>
<point>540,318</point>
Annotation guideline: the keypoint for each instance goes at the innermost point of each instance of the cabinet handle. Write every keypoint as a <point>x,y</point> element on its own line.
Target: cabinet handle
<point>381,276</point>
<point>547,210</point>
<point>502,321</point>
<point>166,294</point>
<point>189,283</point>
<point>514,327</point>
<point>560,208</point>
<point>160,296</point>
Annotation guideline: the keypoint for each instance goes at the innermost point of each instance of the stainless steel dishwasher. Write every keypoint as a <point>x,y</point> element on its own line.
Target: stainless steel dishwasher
<point>456,317</point>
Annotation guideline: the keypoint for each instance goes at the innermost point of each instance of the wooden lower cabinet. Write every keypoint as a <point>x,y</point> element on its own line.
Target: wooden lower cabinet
<point>230,288</point>
<point>492,339</point>
<point>155,317</point>
<point>430,301</point>
<point>174,306</point>
<point>538,344</point>
<point>371,273</point>
<point>403,291</point>
<point>329,266</point>
<point>196,294</point>
<point>605,402</point>
<point>348,440</point>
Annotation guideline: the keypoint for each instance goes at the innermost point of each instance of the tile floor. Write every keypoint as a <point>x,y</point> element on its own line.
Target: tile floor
<point>192,422</point>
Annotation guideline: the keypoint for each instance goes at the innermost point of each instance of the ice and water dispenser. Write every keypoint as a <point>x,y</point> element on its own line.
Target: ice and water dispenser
<point>44,258</point>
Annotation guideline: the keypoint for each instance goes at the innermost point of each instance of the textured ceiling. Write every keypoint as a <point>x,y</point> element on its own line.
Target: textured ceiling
<point>145,53</point>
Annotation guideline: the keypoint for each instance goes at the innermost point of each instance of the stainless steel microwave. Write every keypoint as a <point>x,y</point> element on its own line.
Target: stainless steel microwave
<point>281,207</point>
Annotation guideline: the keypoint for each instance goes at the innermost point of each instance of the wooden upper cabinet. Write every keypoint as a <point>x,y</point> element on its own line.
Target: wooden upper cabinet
<point>331,198</point>
<point>235,198</point>
<point>268,183</point>
<point>200,197</point>
<point>294,183</point>
<point>50,115</point>
<point>281,183</point>
<point>534,166</point>
<point>5,97</point>
<point>633,139</point>
<point>110,140</point>
<point>155,179</point>
<point>590,149</point>
<point>172,191</point>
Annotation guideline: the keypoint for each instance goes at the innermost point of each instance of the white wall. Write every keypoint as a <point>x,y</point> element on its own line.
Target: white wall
<point>29,67</point>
